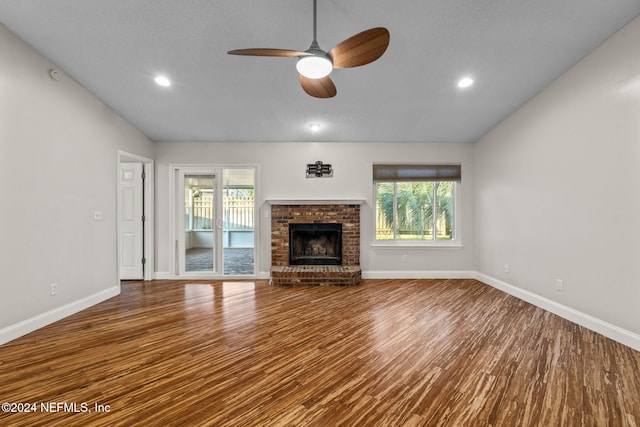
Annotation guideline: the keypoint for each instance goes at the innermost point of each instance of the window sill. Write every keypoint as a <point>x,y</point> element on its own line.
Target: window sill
<point>416,245</point>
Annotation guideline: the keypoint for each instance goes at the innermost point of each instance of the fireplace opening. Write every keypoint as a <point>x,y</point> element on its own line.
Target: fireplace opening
<point>315,244</point>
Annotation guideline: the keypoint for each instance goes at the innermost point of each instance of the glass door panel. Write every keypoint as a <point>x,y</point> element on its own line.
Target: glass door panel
<point>238,190</point>
<point>199,222</point>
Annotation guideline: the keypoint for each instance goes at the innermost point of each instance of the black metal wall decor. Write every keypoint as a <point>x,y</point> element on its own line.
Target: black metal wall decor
<point>319,170</point>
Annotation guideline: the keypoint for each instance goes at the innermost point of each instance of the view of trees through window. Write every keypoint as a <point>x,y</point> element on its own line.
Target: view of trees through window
<point>415,210</point>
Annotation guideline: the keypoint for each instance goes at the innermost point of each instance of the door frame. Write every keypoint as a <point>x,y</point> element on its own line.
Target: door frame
<point>147,211</point>
<point>179,174</point>
<point>174,264</point>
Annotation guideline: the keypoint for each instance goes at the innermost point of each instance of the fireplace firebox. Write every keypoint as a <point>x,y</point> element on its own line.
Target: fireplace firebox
<point>315,244</point>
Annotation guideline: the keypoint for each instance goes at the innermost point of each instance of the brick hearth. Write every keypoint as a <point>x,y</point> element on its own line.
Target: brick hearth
<point>316,275</point>
<point>347,214</point>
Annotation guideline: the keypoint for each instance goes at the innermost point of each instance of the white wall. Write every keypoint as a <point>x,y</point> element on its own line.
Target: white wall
<point>282,176</point>
<point>58,155</point>
<point>557,189</point>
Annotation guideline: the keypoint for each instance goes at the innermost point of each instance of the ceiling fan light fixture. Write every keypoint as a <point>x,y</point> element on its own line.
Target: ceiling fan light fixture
<point>314,67</point>
<point>465,82</point>
<point>162,81</point>
<point>314,64</point>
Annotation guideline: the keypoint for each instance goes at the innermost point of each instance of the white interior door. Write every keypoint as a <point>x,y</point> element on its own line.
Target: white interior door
<point>131,221</point>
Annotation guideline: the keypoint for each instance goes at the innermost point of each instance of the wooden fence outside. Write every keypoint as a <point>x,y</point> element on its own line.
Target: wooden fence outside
<point>238,213</point>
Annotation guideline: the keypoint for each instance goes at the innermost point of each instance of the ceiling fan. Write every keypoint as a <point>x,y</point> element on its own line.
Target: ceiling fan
<point>314,64</point>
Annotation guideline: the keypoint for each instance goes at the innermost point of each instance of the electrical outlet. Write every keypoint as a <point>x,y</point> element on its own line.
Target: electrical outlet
<point>506,268</point>
<point>404,258</point>
<point>54,288</point>
<point>559,285</point>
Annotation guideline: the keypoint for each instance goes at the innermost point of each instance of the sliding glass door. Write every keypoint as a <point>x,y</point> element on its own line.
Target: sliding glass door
<point>215,215</point>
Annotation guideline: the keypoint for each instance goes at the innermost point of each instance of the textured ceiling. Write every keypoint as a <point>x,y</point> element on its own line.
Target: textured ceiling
<point>512,48</point>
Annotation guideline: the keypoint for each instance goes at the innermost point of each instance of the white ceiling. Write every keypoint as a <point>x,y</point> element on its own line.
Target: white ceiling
<point>512,48</point>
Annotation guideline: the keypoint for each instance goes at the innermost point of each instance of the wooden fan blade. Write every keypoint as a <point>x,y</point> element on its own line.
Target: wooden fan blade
<point>268,52</point>
<point>319,88</point>
<point>361,49</point>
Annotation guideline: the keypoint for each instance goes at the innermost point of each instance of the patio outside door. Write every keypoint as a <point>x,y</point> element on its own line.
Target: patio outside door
<point>214,221</point>
<point>199,221</point>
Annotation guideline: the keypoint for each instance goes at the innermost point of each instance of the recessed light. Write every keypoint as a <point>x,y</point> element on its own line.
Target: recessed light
<point>314,127</point>
<point>465,82</point>
<point>162,81</point>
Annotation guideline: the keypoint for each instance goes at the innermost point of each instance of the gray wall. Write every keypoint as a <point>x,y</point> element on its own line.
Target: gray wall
<point>557,188</point>
<point>58,160</point>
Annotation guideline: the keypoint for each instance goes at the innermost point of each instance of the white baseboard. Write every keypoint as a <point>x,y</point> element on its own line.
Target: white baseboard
<point>29,325</point>
<point>418,274</point>
<point>265,275</point>
<point>614,332</point>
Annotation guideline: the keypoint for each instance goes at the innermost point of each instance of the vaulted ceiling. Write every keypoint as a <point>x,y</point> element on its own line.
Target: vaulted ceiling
<point>511,48</point>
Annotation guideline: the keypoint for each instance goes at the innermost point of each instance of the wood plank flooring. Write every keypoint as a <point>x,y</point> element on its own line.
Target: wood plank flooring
<point>385,353</point>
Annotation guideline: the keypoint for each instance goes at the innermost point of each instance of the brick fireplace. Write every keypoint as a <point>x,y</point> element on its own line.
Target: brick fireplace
<point>315,244</point>
<point>343,212</point>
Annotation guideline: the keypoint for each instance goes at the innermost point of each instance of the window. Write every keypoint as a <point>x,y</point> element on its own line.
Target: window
<point>416,202</point>
<point>198,203</point>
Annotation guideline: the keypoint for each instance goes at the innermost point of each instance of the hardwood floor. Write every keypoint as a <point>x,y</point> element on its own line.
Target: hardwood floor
<point>385,353</point>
